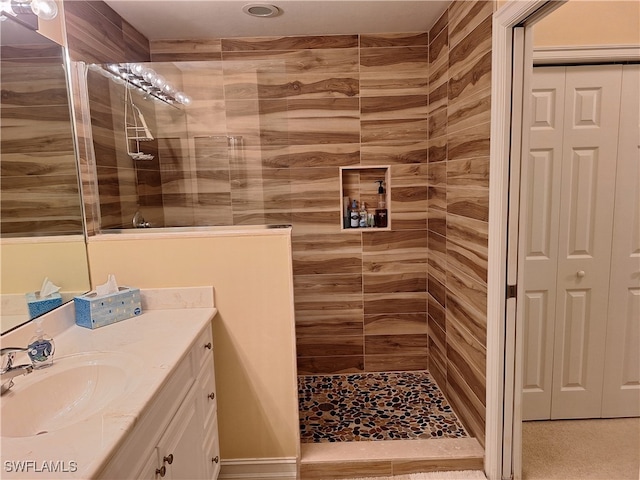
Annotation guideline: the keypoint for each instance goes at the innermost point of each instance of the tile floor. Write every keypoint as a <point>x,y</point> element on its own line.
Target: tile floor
<point>374,406</point>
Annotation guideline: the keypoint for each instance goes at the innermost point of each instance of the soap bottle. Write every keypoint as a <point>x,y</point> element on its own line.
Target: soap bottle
<point>354,215</point>
<point>363,216</point>
<point>41,348</point>
<point>381,211</point>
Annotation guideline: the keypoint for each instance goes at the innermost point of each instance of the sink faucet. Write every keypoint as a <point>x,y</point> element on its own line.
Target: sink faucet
<point>9,371</point>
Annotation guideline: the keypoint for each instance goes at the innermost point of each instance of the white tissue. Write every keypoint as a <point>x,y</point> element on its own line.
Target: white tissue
<point>47,288</point>
<point>107,288</point>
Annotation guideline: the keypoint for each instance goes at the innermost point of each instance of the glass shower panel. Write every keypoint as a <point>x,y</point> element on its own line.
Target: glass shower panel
<point>209,161</point>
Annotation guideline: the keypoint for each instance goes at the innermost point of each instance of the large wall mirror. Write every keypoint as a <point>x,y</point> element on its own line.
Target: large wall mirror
<point>41,215</point>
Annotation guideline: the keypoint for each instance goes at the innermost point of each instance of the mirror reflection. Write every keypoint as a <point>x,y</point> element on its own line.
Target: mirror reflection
<point>41,216</point>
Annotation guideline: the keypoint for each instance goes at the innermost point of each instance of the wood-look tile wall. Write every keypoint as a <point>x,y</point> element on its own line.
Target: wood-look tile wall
<point>97,34</point>
<point>38,183</point>
<point>304,106</point>
<point>458,198</point>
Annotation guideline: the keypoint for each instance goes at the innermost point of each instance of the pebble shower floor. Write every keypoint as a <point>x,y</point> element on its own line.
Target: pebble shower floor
<point>374,406</point>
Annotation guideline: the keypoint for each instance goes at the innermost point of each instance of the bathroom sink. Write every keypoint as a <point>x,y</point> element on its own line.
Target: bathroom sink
<point>73,389</point>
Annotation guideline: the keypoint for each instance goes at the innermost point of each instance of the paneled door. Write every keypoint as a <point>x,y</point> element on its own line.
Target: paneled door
<point>570,190</point>
<point>621,392</point>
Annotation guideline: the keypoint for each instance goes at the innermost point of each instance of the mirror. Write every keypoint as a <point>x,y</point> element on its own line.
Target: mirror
<point>41,215</point>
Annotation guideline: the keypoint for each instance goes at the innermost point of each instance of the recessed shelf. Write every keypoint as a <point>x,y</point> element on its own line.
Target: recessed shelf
<point>360,183</point>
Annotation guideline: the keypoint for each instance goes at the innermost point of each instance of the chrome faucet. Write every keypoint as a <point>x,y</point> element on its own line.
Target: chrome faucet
<point>139,221</point>
<point>9,371</point>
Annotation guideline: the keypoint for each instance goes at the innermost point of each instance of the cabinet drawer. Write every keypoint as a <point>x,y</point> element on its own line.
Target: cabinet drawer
<point>203,348</point>
<point>212,451</point>
<point>208,395</point>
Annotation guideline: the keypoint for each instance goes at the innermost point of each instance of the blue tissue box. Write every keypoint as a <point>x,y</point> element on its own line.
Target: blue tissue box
<point>38,306</point>
<point>93,311</point>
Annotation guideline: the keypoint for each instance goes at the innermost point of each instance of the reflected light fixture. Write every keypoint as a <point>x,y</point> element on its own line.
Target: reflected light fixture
<point>44,9</point>
<point>143,79</point>
<point>261,10</point>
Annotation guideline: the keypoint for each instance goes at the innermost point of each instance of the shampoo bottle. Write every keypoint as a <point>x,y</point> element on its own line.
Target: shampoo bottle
<point>363,216</point>
<point>381,211</point>
<point>354,215</point>
<point>41,347</point>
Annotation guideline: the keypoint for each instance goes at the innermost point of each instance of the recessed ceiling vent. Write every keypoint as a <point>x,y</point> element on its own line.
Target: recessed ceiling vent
<point>261,10</point>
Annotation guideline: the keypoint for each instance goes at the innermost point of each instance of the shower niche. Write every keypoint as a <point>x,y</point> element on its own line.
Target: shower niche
<point>362,184</point>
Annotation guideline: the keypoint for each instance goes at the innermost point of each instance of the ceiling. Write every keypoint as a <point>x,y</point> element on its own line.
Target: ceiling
<point>190,19</point>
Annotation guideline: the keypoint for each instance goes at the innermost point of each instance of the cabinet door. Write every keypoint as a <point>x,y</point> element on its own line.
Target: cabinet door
<point>180,448</point>
<point>212,451</point>
<point>150,469</point>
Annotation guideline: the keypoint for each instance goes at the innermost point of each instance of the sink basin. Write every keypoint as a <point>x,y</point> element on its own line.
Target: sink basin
<point>73,389</point>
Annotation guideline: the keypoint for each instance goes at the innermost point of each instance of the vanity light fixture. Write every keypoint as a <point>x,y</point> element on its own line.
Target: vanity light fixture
<point>144,79</point>
<point>44,9</point>
<point>261,10</point>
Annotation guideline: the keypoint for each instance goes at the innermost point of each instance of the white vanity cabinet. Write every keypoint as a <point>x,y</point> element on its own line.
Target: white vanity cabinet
<point>177,436</point>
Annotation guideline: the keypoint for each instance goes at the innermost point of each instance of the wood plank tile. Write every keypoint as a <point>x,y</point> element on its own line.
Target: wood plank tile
<point>395,303</point>
<point>395,324</point>
<point>394,363</point>
<point>395,282</point>
<point>470,409</point>
<point>398,59</point>
<point>468,202</point>
<point>470,173</point>
<point>467,246</point>
<point>466,303</point>
<point>394,39</point>
<point>406,344</point>
<point>330,365</point>
<point>313,324</point>
<point>402,154</point>
<point>464,17</point>
<point>289,43</point>
<point>329,346</point>
<point>472,142</point>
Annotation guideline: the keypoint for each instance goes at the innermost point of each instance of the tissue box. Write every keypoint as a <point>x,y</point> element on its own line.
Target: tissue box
<point>93,311</point>
<point>38,306</point>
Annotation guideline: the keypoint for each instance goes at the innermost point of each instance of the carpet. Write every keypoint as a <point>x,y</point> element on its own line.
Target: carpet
<point>598,449</point>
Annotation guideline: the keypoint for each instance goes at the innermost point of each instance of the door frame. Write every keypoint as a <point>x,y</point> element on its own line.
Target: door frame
<point>503,436</point>
<point>512,53</point>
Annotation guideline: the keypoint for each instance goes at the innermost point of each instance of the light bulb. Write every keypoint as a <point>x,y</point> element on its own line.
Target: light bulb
<point>44,9</point>
<point>136,68</point>
<point>159,82</point>
<point>169,89</point>
<point>149,75</point>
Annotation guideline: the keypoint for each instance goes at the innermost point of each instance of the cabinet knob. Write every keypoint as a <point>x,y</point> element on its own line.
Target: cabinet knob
<point>161,471</point>
<point>208,345</point>
<point>215,459</point>
<point>211,396</point>
<point>580,274</point>
<point>168,459</point>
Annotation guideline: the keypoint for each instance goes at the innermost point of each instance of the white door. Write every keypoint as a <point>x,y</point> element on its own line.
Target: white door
<point>621,394</point>
<point>571,179</point>
<point>542,173</point>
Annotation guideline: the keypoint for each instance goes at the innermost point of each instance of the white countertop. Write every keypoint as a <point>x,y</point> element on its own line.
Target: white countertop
<point>155,342</point>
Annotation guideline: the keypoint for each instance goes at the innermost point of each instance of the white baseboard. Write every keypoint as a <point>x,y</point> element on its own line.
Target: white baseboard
<point>259,469</point>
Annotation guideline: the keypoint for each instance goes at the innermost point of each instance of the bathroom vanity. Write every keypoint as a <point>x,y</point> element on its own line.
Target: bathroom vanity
<point>135,399</point>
